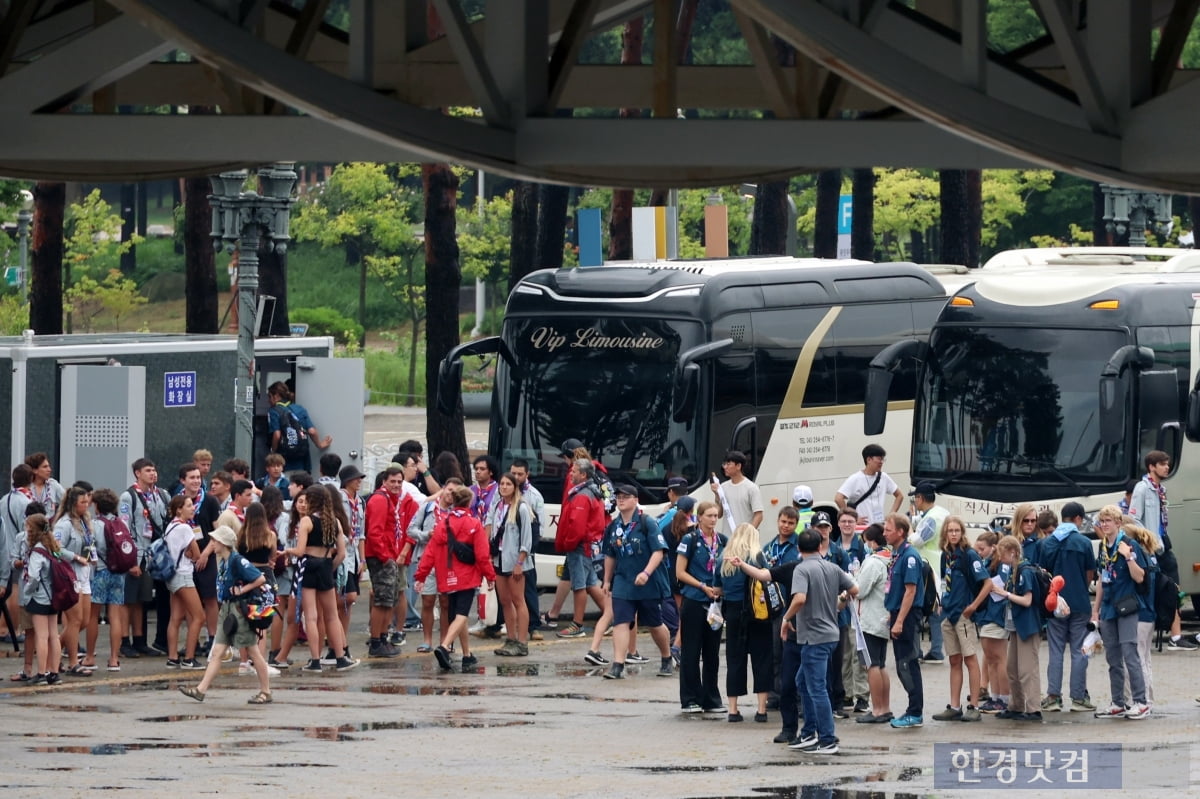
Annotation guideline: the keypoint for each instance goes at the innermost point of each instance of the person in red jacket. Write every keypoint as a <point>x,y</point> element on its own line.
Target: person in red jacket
<point>456,578</point>
<point>580,525</point>
<point>388,511</point>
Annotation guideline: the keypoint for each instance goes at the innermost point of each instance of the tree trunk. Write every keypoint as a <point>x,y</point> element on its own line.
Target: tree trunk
<point>523,245</point>
<point>272,282</point>
<point>176,201</point>
<point>620,223</point>
<point>46,258</point>
<point>917,247</point>
<point>443,277</point>
<point>1193,206</point>
<point>551,225</point>
<point>829,188</point>
<point>129,193</point>
<point>768,227</point>
<point>974,216</point>
<point>954,224</point>
<point>199,265</point>
<point>414,339</point>
<point>862,231</point>
<point>362,299</point>
<point>1100,235</point>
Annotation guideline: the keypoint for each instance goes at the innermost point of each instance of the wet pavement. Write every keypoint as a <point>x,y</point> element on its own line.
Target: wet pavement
<point>545,725</point>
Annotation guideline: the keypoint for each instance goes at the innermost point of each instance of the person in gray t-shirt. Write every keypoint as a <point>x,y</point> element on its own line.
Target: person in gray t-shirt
<point>816,586</point>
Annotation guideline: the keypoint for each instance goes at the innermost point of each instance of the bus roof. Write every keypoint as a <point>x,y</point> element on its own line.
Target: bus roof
<point>1141,259</point>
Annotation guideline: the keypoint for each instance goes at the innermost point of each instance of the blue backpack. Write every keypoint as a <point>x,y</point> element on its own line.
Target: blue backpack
<point>159,563</point>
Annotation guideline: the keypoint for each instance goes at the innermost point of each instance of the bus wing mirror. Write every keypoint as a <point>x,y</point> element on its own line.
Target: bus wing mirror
<point>449,383</point>
<point>879,381</point>
<point>687,377</point>
<point>686,391</point>
<point>1112,410</point>
<point>1192,423</point>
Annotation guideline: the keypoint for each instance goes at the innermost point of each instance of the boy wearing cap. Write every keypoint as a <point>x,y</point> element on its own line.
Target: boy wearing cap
<point>633,550</point>
<point>927,535</point>
<point>676,488</point>
<point>865,490</point>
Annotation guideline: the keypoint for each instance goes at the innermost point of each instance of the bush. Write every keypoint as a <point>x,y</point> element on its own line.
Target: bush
<point>326,322</point>
<point>14,315</point>
<point>387,377</point>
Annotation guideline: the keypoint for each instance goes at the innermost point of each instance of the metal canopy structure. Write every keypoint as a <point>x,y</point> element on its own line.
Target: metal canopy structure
<point>83,84</point>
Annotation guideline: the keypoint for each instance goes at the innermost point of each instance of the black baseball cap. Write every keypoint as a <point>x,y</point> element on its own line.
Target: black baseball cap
<point>925,489</point>
<point>569,446</point>
<point>821,517</point>
<point>677,482</point>
<point>625,488</point>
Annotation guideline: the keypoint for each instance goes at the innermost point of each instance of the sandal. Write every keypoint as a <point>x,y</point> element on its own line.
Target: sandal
<point>192,691</point>
<point>424,648</point>
<point>114,667</point>
<point>80,670</point>
<point>20,676</point>
<point>260,698</point>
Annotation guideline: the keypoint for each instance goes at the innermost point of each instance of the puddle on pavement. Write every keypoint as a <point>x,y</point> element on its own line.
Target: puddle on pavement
<point>164,719</point>
<point>46,735</point>
<point>408,689</point>
<point>342,732</point>
<point>593,698</point>
<point>845,788</point>
<point>69,708</point>
<point>121,749</point>
<point>298,765</point>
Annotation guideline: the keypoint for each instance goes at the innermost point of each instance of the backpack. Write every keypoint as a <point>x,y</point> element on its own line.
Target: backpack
<point>120,553</point>
<point>159,564</point>
<point>606,492</point>
<point>929,602</point>
<point>1166,599</point>
<point>1041,589</point>
<point>293,438</point>
<point>63,595</point>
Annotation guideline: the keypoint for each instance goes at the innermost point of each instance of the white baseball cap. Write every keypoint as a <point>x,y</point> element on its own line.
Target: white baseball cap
<point>802,496</point>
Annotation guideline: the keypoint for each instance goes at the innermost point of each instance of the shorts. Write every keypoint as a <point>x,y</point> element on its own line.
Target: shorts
<point>351,583</point>
<point>401,577</point>
<point>429,587</point>
<point>960,639</point>
<point>646,611</point>
<point>286,581</point>
<point>24,620</point>
<point>138,589</point>
<point>242,635</point>
<point>83,582</point>
<point>876,651</point>
<point>206,580</point>
<point>461,602</point>
<point>34,608</point>
<point>994,631</point>
<point>582,574</point>
<point>181,580</point>
<point>385,586</point>
<point>317,573</point>
<point>108,588</point>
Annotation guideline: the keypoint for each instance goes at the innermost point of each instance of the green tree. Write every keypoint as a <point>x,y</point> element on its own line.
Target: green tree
<point>115,294</point>
<point>484,245</point>
<point>362,209</point>
<point>906,200</point>
<point>93,239</point>
<point>1006,194</point>
<point>402,274</point>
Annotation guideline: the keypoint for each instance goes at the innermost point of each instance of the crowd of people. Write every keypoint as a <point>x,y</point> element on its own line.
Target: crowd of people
<point>806,618</point>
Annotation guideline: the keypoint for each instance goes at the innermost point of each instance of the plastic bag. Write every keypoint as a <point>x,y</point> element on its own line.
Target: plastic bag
<point>1061,610</point>
<point>1091,643</point>
<point>716,619</point>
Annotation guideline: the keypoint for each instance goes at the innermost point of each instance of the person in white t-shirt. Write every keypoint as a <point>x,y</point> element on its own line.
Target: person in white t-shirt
<point>866,491</point>
<point>742,496</point>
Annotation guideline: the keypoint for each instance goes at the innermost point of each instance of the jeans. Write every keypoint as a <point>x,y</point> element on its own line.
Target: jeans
<point>814,694</point>
<point>1061,633</point>
<point>789,668</point>
<point>935,634</point>
<point>907,649</point>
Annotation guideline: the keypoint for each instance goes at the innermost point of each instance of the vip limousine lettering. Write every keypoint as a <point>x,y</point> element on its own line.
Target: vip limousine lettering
<point>550,339</point>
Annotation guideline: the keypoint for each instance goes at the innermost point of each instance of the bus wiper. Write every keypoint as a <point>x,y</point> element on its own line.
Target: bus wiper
<point>945,481</point>
<point>1057,472</point>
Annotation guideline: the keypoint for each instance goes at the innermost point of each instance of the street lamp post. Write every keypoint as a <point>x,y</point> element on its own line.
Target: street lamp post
<point>1134,210</point>
<point>24,218</point>
<point>240,219</point>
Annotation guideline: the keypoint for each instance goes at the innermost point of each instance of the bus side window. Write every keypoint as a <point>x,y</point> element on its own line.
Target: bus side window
<point>860,333</point>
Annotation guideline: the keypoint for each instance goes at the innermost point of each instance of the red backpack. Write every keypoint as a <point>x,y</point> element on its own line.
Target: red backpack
<point>120,553</point>
<point>63,596</point>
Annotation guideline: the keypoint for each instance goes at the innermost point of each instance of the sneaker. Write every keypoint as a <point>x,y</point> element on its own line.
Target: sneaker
<point>949,714</point>
<point>548,622</point>
<point>839,713</point>
<point>1138,712</point>
<point>522,649</point>
<point>159,649</point>
<point>129,651</point>
<point>1009,714</point>
<point>932,660</point>
<point>906,722</point>
<point>1181,643</point>
<point>345,663</point>
<point>397,638</point>
<point>443,657</point>
<point>172,663</point>
<point>378,648</point>
<point>245,668</point>
<point>191,663</point>
<point>784,737</point>
<point>469,663</point>
<point>971,713</point>
<point>636,657</point>
<point>617,672</point>
<point>313,665</point>
<point>595,658</point>
<point>676,656</point>
<point>279,664</point>
<point>1083,705</point>
<point>1035,716</point>
<point>508,649</point>
<point>993,706</point>
<point>328,659</point>
<point>1111,712</point>
<point>667,669</point>
<point>54,678</point>
<point>692,708</point>
<point>413,627</point>
<point>228,656</point>
<point>828,748</point>
<point>536,635</point>
<point>804,743</point>
<point>871,718</point>
<point>148,651</point>
<point>1052,704</point>
<point>862,706</point>
<point>716,709</point>
<point>39,678</point>
<point>572,630</point>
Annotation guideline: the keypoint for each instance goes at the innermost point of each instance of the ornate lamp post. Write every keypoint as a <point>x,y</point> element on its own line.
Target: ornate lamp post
<point>1134,210</point>
<point>24,217</point>
<point>241,219</point>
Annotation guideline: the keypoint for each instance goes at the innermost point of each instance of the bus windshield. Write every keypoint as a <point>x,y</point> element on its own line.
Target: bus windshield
<point>997,403</point>
<point>605,381</point>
